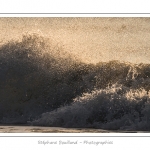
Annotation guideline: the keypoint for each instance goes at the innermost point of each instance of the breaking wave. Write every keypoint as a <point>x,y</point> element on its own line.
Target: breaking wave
<point>112,108</point>
<point>42,84</point>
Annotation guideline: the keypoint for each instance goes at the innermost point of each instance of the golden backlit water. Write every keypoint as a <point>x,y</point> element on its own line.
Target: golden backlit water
<point>91,39</point>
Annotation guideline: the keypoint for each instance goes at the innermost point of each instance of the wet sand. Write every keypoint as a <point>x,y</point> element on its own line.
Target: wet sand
<point>39,129</point>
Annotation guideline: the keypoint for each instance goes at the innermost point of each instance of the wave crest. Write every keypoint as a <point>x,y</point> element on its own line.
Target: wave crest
<point>42,84</point>
<point>106,109</point>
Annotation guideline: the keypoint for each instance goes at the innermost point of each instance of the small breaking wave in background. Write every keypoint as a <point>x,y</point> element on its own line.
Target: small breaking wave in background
<point>42,84</point>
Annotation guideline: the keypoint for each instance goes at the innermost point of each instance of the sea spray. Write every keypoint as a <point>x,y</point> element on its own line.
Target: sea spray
<point>42,84</point>
<point>36,77</point>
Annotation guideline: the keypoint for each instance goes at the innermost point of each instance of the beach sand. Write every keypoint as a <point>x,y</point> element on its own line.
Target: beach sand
<point>40,129</point>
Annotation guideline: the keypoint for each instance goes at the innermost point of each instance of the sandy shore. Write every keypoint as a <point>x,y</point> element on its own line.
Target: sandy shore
<point>32,129</point>
<point>39,129</point>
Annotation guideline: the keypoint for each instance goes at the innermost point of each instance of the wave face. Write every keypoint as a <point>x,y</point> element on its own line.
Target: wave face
<point>36,76</point>
<point>41,84</point>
